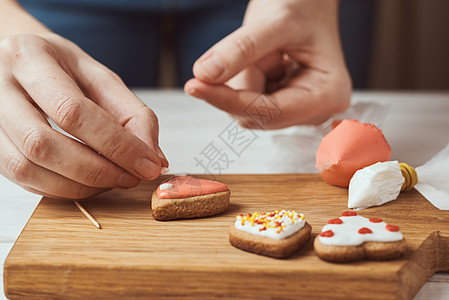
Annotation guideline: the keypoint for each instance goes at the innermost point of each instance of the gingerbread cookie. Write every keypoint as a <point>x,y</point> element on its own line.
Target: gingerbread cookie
<point>186,197</point>
<point>277,234</point>
<point>352,237</point>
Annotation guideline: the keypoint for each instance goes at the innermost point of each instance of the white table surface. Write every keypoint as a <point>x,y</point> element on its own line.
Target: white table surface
<point>416,125</point>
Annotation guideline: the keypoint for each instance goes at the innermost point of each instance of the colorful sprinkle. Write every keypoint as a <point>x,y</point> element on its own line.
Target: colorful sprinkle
<point>276,220</point>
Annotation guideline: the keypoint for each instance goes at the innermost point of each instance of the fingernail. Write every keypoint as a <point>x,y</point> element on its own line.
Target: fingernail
<point>195,93</point>
<point>164,161</point>
<point>160,154</point>
<point>127,180</point>
<point>164,170</point>
<point>147,168</point>
<point>212,66</point>
<point>191,92</point>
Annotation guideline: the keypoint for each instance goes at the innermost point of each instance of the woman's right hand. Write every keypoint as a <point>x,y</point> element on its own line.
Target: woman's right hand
<point>46,76</point>
<point>287,54</point>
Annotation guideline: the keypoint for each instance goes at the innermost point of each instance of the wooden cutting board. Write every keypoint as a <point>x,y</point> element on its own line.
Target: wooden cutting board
<point>61,255</point>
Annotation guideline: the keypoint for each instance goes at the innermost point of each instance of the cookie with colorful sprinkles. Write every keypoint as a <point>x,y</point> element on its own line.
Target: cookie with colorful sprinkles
<point>277,234</point>
<point>186,197</point>
<point>352,237</point>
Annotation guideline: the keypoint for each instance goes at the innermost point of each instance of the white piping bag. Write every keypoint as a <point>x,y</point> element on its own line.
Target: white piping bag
<point>382,182</point>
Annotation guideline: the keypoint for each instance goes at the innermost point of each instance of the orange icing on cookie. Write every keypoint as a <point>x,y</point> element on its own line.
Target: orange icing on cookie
<point>188,186</point>
<point>350,146</point>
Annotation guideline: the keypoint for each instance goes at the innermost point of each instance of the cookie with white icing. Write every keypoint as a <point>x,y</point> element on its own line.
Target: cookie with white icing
<point>186,197</point>
<point>277,234</point>
<point>352,237</point>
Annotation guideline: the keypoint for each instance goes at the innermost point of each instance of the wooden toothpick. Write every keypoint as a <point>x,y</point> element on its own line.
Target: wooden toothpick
<point>88,215</point>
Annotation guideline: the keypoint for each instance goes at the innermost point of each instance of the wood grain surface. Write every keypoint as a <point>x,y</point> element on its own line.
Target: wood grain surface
<point>60,254</point>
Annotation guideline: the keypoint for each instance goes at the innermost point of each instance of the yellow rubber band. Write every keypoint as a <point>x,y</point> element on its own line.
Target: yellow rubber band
<point>410,175</point>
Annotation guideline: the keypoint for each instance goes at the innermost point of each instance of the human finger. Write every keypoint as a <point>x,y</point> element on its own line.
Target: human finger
<point>105,88</point>
<point>235,52</point>
<point>17,168</point>
<point>41,144</point>
<point>261,76</point>
<point>251,108</point>
<point>311,97</point>
<point>221,96</point>
<point>251,78</point>
<point>60,98</point>
<point>308,99</point>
